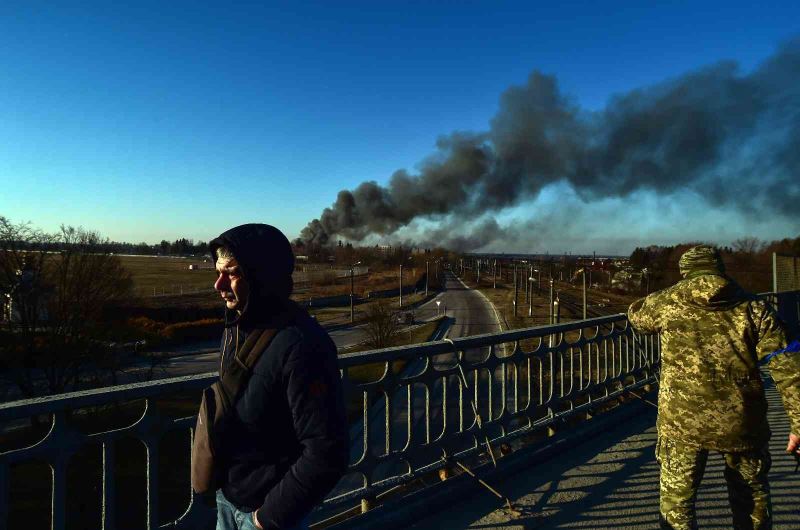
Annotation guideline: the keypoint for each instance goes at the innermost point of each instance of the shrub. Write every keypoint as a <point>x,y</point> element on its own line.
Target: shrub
<point>205,329</point>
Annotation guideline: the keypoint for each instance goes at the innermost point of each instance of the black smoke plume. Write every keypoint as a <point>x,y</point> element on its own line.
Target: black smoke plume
<point>732,138</point>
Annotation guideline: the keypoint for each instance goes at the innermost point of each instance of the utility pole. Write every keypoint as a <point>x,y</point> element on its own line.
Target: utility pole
<point>401,286</point>
<point>352,311</point>
<point>478,272</point>
<point>529,281</point>
<point>527,284</point>
<point>550,306</point>
<point>494,275</point>
<point>427,273</point>
<point>583,275</point>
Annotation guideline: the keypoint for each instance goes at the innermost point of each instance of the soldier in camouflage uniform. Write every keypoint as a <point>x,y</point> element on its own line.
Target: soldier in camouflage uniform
<point>711,397</point>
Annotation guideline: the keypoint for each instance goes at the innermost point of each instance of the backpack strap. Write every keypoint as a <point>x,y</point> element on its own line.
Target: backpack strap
<point>236,376</point>
<point>247,356</point>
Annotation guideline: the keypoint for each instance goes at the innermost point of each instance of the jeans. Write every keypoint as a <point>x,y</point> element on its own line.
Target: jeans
<point>231,518</point>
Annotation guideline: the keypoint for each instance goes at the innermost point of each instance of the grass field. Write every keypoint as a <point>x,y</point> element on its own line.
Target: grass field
<point>167,275</point>
<point>171,276</point>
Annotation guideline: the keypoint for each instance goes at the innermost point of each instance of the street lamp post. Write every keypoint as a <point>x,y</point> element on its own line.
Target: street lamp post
<point>516,289</point>
<point>551,301</point>
<point>494,275</point>
<point>556,311</point>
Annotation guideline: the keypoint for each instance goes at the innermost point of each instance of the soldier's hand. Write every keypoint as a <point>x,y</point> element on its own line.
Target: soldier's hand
<point>794,444</point>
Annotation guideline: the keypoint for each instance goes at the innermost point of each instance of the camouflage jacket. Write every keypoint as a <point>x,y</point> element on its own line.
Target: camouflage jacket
<point>713,335</point>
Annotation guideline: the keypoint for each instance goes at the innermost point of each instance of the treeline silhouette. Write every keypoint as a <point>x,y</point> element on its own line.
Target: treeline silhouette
<point>748,260</point>
<point>179,247</point>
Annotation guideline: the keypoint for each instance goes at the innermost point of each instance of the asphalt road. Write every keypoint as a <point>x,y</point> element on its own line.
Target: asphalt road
<point>470,310</point>
<point>470,313</point>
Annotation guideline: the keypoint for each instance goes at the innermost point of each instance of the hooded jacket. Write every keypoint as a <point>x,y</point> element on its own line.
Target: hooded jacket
<point>288,445</point>
<point>713,336</point>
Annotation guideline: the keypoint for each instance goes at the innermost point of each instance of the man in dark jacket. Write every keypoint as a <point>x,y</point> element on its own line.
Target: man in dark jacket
<point>288,445</point>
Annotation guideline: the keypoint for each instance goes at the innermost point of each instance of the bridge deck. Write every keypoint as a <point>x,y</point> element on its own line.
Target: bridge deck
<point>611,481</point>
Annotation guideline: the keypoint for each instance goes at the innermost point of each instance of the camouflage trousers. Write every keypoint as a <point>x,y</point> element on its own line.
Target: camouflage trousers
<point>682,469</point>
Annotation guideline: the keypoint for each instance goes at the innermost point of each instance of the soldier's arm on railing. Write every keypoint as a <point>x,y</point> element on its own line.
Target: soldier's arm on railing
<point>643,316</point>
<point>783,359</point>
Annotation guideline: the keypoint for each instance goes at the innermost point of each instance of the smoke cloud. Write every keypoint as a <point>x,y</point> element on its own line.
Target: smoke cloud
<point>733,139</point>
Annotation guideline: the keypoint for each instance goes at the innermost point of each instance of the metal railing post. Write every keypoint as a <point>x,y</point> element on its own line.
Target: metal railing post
<point>109,498</point>
<point>774,272</point>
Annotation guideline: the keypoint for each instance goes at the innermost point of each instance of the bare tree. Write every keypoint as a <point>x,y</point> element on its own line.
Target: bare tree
<point>748,245</point>
<point>383,323</point>
<point>55,327</point>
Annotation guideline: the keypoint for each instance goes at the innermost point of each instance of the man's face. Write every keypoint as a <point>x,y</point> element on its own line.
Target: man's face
<point>230,283</point>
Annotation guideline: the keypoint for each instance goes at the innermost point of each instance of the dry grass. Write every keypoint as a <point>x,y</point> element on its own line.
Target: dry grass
<point>171,276</point>
<point>600,302</point>
<point>167,275</point>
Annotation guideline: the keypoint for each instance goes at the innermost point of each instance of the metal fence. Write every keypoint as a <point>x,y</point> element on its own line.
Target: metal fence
<point>410,419</point>
<point>785,273</point>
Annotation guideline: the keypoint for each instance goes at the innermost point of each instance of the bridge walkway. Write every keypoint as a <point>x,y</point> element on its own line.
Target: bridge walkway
<point>611,481</point>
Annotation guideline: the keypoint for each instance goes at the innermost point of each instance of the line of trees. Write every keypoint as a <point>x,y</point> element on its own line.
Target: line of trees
<point>179,247</point>
<point>748,260</point>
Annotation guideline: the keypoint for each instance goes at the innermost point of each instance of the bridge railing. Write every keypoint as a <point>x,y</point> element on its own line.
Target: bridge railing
<point>439,402</point>
<point>423,406</point>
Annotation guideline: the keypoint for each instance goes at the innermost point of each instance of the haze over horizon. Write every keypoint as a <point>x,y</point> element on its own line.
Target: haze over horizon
<point>491,127</point>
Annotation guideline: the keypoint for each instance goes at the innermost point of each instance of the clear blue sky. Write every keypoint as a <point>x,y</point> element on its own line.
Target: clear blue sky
<point>182,119</point>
